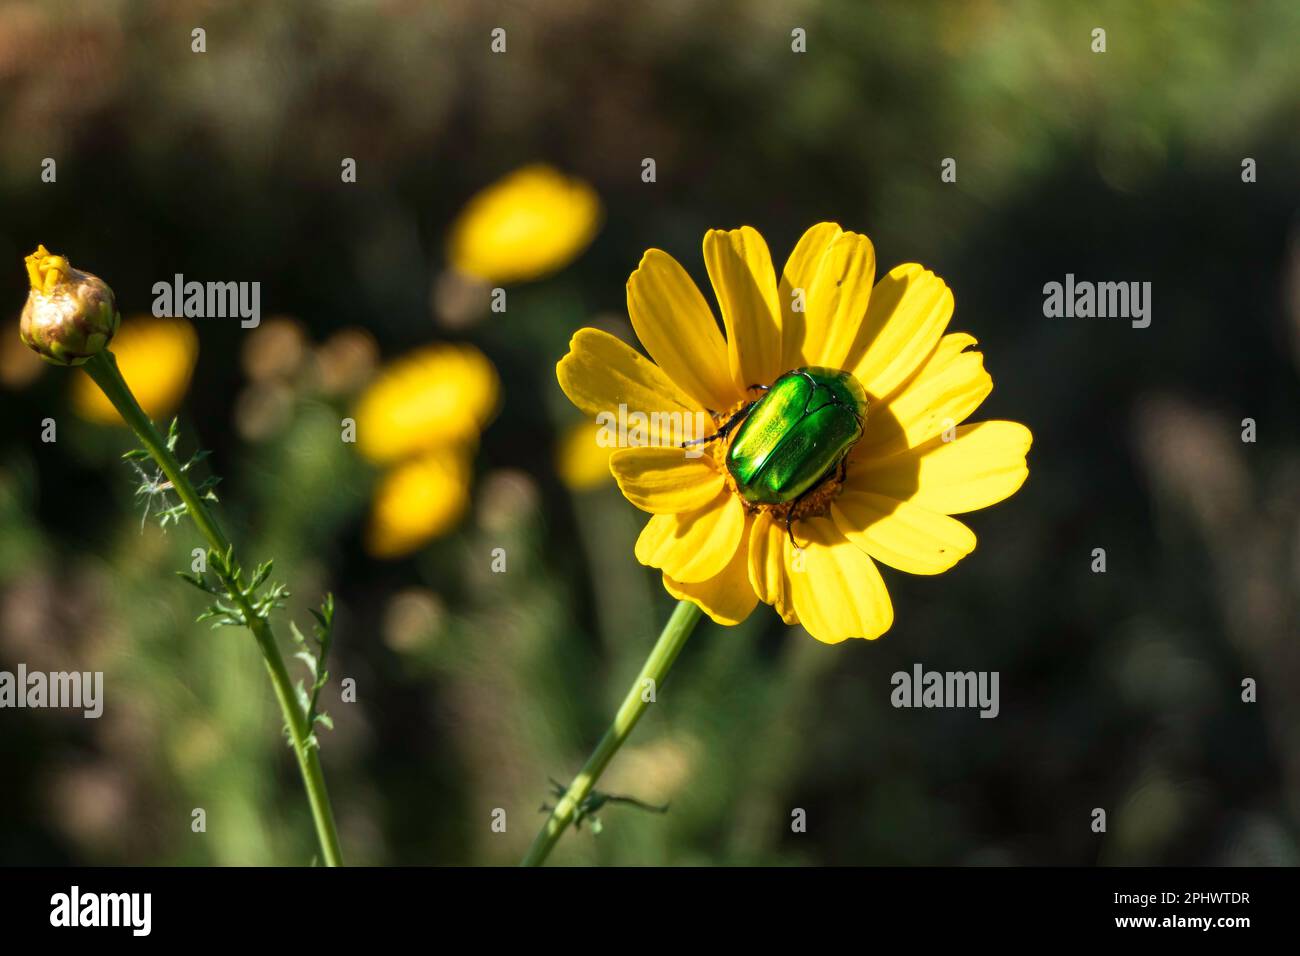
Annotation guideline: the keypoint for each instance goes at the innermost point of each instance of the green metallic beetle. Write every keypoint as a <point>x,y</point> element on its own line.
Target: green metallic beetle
<point>791,439</point>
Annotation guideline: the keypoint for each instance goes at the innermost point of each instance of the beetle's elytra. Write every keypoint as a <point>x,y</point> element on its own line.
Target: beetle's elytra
<point>796,434</point>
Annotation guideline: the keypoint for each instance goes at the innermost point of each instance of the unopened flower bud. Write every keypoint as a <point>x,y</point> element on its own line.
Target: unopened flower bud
<point>69,315</point>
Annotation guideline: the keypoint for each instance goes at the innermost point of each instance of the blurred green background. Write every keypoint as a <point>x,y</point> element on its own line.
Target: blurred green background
<point>1118,690</point>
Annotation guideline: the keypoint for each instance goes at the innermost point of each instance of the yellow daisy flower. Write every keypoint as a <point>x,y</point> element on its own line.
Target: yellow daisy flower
<point>156,357</point>
<point>531,223</point>
<point>421,417</point>
<point>890,500</point>
<point>417,501</point>
<point>432,397</point>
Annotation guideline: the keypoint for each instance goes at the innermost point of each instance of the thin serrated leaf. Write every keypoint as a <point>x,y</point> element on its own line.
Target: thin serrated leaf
<point>198,582</point>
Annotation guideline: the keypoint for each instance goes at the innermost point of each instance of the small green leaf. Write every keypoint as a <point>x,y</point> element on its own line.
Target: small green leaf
<point>260,575</point>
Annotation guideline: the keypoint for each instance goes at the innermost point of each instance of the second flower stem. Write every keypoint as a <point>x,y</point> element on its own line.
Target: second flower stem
<point>103,369</point>
<point>656,667</point>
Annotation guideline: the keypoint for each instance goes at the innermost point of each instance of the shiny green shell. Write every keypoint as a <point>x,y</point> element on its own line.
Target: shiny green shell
<point>796,434</point>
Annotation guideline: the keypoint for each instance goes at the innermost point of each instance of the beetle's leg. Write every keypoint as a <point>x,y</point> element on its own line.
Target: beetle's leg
<point>789,514</point>
<point>789,521</point>
<point>723,431</point>
<point>789,529</point>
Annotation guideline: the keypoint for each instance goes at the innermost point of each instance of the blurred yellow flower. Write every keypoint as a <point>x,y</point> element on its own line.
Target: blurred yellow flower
<point>422,415</point>
<point>417,501</point>
<point>580,460</point>
<point>436,396</point>
<point>156,357</point>
<point>531,223</point>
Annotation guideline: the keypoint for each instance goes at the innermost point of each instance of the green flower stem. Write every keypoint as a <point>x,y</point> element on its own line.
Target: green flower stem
<point>103,369</point>
<point>675,632</point>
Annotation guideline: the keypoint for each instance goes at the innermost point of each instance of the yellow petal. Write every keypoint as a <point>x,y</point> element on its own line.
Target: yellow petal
<point>695,546</point>
<point>837,590</point>
<point>837,300</point>
<point>947,389</point>
<point>677,328</point>
<point>156,357</point>
<point>909,310</point>
<point>984,464</point>
<point>902,534</point>
<point>433,396</point>
<point>416,502</point>
<point>528,224</point>
<point>744,281</point>
<point>664,480</point>
<point>769,575</point>
<point>797,278</point>
<point>601,373</point>
<point>948,348</point>
<point>727,597</point>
